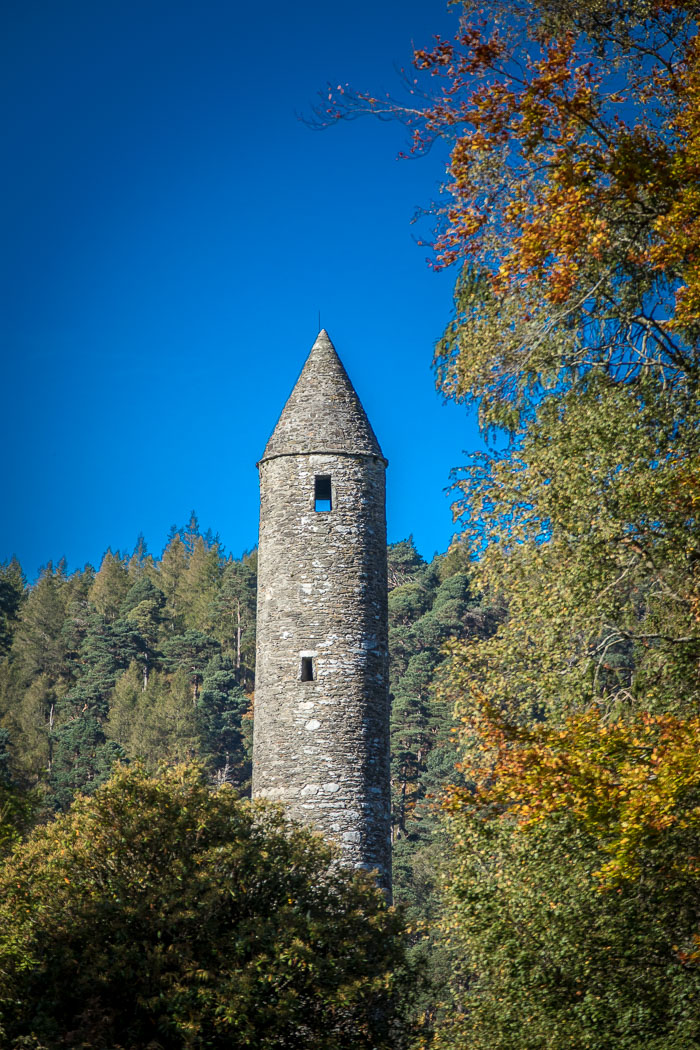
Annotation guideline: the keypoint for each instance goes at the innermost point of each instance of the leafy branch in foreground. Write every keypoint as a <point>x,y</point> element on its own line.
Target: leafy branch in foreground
<point>573,894</point>
<point>572,191</point>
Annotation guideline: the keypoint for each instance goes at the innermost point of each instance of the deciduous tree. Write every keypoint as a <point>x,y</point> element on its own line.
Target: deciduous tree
<point>573,891</point>
<point>574,215</point>
<point>160,913</point>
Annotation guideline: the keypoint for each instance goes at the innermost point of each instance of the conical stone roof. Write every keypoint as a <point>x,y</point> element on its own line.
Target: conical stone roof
<point>323,412</point>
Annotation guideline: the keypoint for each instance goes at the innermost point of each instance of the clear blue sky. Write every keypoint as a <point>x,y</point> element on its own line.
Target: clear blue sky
<point>170,231</point>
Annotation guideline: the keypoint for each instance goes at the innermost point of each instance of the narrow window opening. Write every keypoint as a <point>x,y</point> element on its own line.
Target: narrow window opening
<point>322,492</point>
<point>307,669</point>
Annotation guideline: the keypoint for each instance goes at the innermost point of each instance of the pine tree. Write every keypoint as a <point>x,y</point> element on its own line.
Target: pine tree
<point>190,534</point>
<point>110,586</point>
<point>167,731</point>
<point>32,720</point>
<point>129,699</point>
<point>234,615</point>
<point>221,708</point>
<point>140,560</point>
<point>107,649</point>
<point>190,652</point>
<point>82,754</point>
<point>12,587</point>
<point>40,646</point>
<point>143,607</point>
<point>82,758</point>
<point>167,576</point>
<point>403,561</point>
<point>199,586</point>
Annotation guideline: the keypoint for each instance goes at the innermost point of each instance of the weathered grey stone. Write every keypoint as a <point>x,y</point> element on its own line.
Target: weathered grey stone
<point>322,746</point>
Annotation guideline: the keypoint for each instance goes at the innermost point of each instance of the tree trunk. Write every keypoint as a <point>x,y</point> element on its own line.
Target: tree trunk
<point>239,633</point>
<point>50,740</point>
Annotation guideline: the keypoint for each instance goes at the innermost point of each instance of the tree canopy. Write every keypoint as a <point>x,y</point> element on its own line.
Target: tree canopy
<point>161,913</point>
<point>572,211</point>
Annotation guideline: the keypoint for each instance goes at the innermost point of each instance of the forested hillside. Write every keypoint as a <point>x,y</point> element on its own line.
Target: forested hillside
<point>429,604</point>
<point>147,658</point>
<point>153,659</point>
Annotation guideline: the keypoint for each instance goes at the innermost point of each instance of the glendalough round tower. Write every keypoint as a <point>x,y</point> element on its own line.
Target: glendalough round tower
<point>321,729</point>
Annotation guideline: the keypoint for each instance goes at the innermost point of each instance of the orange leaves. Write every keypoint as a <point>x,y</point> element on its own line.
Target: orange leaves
<point>558,167</point>
<point>575,155</point>
<point>471,53</point>
<point>441,55</point>
<point>551,220</point>
<point>634,785</point>
<point>676,245</point>
<point>552,235</point>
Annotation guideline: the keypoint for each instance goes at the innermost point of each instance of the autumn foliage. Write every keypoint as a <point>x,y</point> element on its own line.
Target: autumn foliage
<point>574,140</point>
<point>572,900</point>
<point>633,783</point>
<point>573,213</point>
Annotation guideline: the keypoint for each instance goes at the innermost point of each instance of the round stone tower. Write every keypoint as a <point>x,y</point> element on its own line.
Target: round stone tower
<point>321,729</point>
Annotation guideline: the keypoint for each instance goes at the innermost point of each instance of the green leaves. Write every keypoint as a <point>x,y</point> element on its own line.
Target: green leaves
<point>159,911</point>
<point>573,897</point>
<point>572,901</point>
<point>588,530</point>
<point>573,894</point>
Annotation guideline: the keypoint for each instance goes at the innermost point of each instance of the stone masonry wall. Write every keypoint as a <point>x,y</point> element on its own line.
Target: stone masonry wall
<point>322,747</point>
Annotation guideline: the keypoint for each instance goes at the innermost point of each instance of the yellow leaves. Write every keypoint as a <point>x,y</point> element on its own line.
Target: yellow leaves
<point>676,244</point>
<point>631,784</point>
<point>557,164</point>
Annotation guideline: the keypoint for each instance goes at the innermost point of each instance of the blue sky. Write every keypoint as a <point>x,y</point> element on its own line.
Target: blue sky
<point>171,230</point>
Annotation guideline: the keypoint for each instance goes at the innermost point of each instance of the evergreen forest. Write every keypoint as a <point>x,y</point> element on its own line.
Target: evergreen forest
<point>545,669</point>
<point>149,662</point>
<point>152,660</point>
